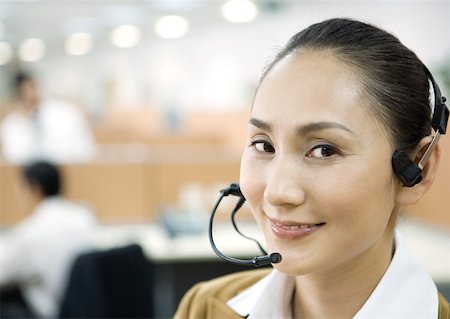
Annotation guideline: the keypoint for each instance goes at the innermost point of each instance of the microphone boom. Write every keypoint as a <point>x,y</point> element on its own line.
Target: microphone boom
<point>257,261</point>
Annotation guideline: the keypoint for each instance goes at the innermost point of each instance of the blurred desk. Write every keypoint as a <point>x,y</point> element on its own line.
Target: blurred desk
<point>181,262</point>
<point>159,247</point>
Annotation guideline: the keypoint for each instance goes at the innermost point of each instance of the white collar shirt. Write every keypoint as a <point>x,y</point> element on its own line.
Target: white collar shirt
<point>406,290</point>
<point>37,254</point>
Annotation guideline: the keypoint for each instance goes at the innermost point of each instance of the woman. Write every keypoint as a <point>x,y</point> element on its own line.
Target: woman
<point>338,101</point>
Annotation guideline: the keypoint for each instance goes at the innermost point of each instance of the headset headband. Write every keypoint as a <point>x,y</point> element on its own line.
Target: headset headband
<point>408,171</point>
<point>440,113</point>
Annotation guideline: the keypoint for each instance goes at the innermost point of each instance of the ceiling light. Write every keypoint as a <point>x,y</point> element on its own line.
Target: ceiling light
<point>5,53</point>
<point>171,27</point>
<point>79,43</point>
<point>239,11</point>
<point>126,36</point>
<point>32,50</point>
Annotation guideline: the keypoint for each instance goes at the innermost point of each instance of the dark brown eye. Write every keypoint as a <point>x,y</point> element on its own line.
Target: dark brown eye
<point>322,151</point>
<point>263,146</point>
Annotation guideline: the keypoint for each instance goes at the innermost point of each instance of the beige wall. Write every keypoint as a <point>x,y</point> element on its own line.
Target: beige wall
<point>121,192</point>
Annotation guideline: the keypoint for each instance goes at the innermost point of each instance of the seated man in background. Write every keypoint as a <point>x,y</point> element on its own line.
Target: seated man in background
<point>44,128</point>
<point>37,254</point>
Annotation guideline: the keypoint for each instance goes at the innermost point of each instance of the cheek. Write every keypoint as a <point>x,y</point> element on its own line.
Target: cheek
<point>251,179</point>
<point>360,196</point>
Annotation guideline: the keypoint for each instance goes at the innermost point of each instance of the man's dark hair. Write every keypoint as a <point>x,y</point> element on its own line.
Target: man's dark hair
<point>44,175</point>
<point>20,78</point>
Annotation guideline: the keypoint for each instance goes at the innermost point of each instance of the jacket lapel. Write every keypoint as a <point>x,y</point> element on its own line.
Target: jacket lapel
<point>217,309</point>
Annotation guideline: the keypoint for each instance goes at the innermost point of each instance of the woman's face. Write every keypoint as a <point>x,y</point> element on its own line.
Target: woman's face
<point>316,171</point>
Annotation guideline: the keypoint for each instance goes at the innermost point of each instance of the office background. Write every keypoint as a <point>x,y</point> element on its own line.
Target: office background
<point>150,95</point>
<point>166,87</point>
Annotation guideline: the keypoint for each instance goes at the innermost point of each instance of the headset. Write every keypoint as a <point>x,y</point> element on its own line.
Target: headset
<point>408,171</point>
<point>258,261</point>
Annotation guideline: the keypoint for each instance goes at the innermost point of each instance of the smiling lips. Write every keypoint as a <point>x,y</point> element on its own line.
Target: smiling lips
<point>292,230</point>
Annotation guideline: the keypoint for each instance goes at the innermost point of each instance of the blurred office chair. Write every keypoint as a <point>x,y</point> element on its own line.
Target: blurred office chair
<point>13,305</point>
<point>117,283</point>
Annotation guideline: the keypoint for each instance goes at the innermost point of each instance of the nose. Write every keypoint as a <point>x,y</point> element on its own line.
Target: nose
<point>284,185</point>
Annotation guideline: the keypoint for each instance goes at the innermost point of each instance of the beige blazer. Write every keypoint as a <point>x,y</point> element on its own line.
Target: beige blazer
<point>208,300</point>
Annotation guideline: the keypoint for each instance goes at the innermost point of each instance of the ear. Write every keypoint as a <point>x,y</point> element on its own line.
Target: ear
<point>410,195</point>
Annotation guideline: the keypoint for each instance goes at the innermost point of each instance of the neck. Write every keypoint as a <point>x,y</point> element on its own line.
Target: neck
<point>26,107</point>
<point>342,291</point>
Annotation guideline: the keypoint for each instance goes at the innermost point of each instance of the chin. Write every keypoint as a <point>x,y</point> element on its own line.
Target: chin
<point>293,266</point>
<point>290,270</point>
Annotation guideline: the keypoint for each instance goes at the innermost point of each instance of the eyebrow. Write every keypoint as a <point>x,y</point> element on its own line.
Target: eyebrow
<point>303,129</point>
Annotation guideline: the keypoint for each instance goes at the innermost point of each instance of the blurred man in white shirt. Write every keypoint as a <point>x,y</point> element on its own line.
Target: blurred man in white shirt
<point>51,129</point>
<point>37,254</point>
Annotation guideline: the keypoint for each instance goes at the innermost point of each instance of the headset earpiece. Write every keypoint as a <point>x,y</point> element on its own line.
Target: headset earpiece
<point>406,170</point>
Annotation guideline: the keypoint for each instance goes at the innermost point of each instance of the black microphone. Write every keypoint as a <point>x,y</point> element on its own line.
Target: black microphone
<point>257,261</point>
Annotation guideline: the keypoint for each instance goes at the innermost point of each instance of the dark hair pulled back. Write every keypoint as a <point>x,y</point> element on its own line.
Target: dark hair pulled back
<point>394,80</point>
